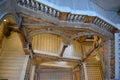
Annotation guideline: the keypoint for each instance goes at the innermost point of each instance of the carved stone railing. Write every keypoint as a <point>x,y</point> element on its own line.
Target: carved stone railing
<point>103,24</point>
<point>90,19</point>
<point>37,6</point>
<point>66,16</point>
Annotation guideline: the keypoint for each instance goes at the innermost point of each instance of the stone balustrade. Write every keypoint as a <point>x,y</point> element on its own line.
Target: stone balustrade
<point>66,16</point>
<point>37,6</point>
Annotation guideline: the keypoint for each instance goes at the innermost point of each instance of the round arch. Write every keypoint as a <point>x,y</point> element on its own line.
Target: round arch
<point>80,34</point>
<point>44,31</point>
<point>10,16</point>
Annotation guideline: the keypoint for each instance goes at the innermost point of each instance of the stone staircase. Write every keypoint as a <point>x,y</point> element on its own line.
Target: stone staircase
<point>11,65</point>
<point>94,72</point>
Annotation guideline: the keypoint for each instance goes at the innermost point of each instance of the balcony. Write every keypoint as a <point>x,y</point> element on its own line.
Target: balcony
<point>67,16</point>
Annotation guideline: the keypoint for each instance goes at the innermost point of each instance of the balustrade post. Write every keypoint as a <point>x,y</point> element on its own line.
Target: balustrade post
<point>43,9</point>
<point>68,17</point>
<point>88,19</point>
<point>39,6</point>
<point>20,1</point>
<point>30,3</point>
<point>48,10</point>
<point>55,13</point>
<point>52,12</point>
<point>25,3</point>
<point>35,6</point>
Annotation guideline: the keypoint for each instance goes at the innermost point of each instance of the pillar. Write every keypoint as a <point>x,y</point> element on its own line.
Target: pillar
<point>74,76</point>
<point>109,54</point>
<point>85,70</point>
<point>32,72</point>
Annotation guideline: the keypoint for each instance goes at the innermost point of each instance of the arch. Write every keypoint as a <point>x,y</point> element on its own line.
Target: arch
<point>80,34</point>
<point>86,33</point>
<point>11,16</point>
<point>43,31</point>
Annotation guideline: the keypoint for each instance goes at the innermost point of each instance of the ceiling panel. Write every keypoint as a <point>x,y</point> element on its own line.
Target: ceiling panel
<point>112,5</point>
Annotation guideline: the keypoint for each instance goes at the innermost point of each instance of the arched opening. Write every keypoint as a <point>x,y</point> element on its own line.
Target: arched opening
<point>49,44</point>
<point>92,53</point>
<point>48,49</point>
<point>54,53</point>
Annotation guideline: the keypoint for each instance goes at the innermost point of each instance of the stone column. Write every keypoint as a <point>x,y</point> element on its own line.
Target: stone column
<point>32,72</point>
<point>37,73</point>
<point>81,72</point>
<point>74,76</point>
<point>112,60</point>
<point>109,45</point>
<point>85,70</point>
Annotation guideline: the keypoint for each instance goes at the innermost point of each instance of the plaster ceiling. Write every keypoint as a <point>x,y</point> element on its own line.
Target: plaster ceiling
<point>111,5</point>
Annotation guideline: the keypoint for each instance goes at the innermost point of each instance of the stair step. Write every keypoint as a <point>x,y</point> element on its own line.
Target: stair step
<point>3,78</point>
<point>9,68</point>
<point>8,64</point>
<point>9,72</point>
<point>9,76</point>
<point>11,64</point>
<point>11,55</point>
<point>12,58</point>
<point>10,51</point>
<point>11,61</point>
<point>13,78</point>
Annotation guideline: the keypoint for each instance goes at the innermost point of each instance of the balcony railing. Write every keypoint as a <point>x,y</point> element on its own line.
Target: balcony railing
<point>66,16</point>
<point>37,6</point>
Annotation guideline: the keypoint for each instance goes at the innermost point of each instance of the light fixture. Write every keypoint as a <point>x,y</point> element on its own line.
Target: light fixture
<point>4,20</point>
